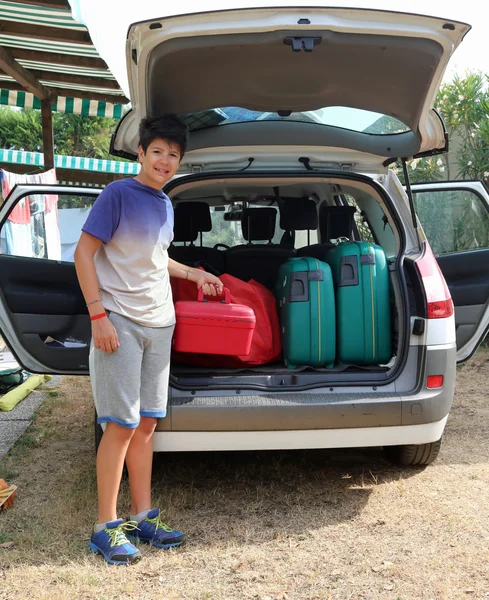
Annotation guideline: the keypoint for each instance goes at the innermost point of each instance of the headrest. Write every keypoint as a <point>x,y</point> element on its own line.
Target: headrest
<point>298,214</point>
<point>335,222</point>
<point>190,219</point>
<point>183,230</point>
<point>258,224</point>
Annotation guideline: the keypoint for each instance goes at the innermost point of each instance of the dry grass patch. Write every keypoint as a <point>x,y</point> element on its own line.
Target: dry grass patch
<point>277,525</point>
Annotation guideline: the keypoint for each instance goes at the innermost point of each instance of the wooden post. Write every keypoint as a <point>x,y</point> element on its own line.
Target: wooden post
<point>28,82</point>
<point>47,134</point>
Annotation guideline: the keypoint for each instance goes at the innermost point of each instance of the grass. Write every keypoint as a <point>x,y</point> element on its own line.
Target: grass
<point>316,525</point>
<point>6,471</point>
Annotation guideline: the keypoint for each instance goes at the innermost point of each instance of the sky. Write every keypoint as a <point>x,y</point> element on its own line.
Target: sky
<point>473,53</point>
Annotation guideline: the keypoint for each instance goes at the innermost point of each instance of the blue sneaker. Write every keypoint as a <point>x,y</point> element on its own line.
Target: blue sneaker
<point>113,544</point>
<point>152,530</point>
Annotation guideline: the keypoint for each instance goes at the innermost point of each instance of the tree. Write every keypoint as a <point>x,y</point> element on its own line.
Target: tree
<point>74,135</point>
<point>464,106</point>
<point>433,168</point>
<point>20,130</point>
<point>83,136</point>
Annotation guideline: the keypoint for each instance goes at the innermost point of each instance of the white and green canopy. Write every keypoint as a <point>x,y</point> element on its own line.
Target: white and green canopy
<point>44,39</point>
<point>36,159</point>
<point>76,106</point>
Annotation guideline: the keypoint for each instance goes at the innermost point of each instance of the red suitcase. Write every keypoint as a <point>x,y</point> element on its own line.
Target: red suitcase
<point>213,327</point>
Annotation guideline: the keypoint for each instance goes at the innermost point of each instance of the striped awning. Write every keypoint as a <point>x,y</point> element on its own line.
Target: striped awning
<point>36,159</point>
<point>76,106</point>
<point>42,37</point>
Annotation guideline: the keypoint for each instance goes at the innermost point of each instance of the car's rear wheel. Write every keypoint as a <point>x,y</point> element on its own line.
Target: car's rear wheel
<point>413,455</point>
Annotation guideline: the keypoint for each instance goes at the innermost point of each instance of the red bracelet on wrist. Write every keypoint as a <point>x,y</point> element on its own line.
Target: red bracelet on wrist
<point>100,316</point>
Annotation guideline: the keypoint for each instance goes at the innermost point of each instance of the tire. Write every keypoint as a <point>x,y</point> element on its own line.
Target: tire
<point>413,455</point>
<point>99,432</point>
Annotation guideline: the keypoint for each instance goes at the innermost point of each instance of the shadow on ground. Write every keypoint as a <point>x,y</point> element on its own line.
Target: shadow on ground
<point>216,497</point>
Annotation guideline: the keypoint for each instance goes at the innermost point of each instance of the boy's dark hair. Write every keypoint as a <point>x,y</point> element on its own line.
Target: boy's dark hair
<point>166,127</point>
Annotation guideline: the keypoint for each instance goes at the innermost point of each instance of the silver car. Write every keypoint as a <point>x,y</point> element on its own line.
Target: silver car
<point>304,103</point>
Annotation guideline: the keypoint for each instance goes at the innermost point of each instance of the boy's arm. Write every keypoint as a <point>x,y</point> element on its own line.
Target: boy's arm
<point>104,334</point>
<point>210,284</point>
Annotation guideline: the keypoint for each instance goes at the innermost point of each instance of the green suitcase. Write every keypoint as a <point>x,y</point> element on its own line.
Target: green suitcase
<point>305,294</point>
<point>361,277</point>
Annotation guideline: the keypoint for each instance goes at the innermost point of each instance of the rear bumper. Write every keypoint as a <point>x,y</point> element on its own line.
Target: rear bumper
<point>326,410</point>
<point>194,441</point>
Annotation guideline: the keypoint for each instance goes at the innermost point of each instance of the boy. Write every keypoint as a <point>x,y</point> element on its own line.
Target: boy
<point>124,273</point>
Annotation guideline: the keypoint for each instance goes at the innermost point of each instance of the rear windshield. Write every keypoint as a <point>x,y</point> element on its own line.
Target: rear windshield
<point>228,231</point>
<point>344,117</point>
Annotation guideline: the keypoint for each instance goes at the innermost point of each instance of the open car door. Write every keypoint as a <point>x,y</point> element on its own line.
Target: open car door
<point>43,317</point>
<point>455,219</point>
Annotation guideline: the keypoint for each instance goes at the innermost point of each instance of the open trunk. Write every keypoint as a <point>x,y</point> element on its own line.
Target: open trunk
<point>376,221</point>
<point>293,64</point>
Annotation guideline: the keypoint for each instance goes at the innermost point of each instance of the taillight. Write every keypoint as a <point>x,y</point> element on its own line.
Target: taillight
<point>434,382</point>
<point>440,305</point>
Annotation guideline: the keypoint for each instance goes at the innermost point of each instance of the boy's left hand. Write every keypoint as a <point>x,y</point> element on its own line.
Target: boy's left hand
<point>210,284</point>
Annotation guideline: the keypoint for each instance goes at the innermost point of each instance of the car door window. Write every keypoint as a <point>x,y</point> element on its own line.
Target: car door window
<point>45,226</point>
<point>361,222</point>
<point>453,220</point>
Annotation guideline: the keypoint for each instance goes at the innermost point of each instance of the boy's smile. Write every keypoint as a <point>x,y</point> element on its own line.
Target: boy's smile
<point>159,163</point>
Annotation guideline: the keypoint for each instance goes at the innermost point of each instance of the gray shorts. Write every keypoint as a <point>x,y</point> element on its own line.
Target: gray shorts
<point>132,382</point>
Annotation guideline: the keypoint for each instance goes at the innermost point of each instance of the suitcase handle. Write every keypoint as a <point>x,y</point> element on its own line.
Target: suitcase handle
<point>299,284</point>
<point>225,300</point>
<point>348,271</point>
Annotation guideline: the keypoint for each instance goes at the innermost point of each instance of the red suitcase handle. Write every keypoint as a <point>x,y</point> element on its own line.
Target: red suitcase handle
<point>225,300</point>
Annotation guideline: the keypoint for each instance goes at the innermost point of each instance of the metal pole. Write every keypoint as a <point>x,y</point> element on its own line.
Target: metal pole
<point>47,134</point>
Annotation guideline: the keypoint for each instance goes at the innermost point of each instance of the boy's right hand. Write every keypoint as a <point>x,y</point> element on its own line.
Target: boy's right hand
<point>104,335</point>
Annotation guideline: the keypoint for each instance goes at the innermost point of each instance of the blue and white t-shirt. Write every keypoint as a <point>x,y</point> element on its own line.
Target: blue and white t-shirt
<point>135,224</point>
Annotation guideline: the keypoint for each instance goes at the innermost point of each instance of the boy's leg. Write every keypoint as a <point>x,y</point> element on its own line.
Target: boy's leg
<point>110,462</point>
<point>139,462</point>
<point>116,386</point>
<point>155,371</point>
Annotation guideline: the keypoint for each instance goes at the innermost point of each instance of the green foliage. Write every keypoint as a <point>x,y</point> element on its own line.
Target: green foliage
<point>74,135</point>
<point>75,201</point>
<point>20,130</point>
<point>464,105</point>
<point>83,136</point>
<point>361,222</point>
<point>461,101</point>
<point>223,232</point>
<point>433,168</point>
<point>453,221</point>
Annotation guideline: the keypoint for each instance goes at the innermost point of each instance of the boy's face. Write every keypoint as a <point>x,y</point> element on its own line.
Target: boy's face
<point>159,163</point>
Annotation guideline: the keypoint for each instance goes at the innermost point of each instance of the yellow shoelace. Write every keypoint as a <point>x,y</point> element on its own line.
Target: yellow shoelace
<point>158,523</point>
<point>117,535</point>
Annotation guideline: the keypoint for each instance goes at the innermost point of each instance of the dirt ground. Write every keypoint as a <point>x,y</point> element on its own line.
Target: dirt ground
<point>261,526</point>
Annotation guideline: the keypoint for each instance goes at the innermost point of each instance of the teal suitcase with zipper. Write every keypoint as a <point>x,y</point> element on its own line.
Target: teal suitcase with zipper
<point>305,295</point>
<point>361,277</point>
